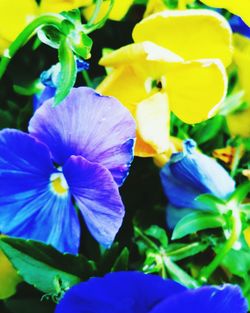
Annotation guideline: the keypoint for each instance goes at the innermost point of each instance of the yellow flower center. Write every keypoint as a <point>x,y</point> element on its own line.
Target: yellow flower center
<point>59,184</point>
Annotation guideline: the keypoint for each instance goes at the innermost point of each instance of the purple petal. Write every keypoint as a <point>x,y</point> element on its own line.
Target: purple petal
<point>119,292</point>
<point>207,299</point>
<point>90,125</point>
<point>97,197</point>
<point>28,206</point>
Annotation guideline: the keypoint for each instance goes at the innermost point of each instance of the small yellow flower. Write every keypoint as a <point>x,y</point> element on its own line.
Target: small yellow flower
<point>119,10</point>
<point>247,235</point>
<point>15,15</point>
<point>238,7</point>
<point>8,278</point>
<point>150,79</point>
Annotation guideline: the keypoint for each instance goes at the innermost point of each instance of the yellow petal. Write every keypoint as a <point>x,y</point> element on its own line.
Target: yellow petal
<point>175,145</point>
<point>139,52</point>
<point>8,278</point>
<point>143,149</point>
<point>242,60</point>
<point>149,61</point>
<point>56,6</point>
<point>154,6</point>
<point>239,123</point>
<point>192,34</point>
<point>14,16</point>
<point>238,7</point>
<point>119,10</point>
<point>196,89</point>
<point>152,117</point>
<point>123,84</point>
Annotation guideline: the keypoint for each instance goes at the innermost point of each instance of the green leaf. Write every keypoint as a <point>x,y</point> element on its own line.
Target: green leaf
<point>212,203</point>
<point>158,233</point>
<point>238,262</point>
<point>68,72</point>
<point>196,221</point>
<point>43,266</point>
<point>180,251</point>
<point>239,195</point>
<point>206,131</point>
<point>121,263</point>
<point>178,274</point>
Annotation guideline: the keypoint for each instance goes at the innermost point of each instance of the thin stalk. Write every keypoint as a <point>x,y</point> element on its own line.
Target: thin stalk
<point>87,79</point>
<point>182,5</point>
<point>90,28</point>
<point>96,12</point>
<point>150,243</point>
<point>23,37</point>
<point>234,236</point>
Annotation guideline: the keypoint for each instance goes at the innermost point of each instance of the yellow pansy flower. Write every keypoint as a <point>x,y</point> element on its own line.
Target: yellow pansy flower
<point>238,122</point>
<point>15,15</point>
<point>150,79</point>
<point>8,278</point>
<point>119,10</point>
<point>238,7</point>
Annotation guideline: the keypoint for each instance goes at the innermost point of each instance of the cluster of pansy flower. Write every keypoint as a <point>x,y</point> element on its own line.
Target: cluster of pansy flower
<point>70,164</point>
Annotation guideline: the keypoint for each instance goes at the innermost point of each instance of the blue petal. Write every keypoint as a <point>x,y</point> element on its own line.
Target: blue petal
<point>238,26</point>
<point>96,127</point>
<point>28,207</point>
<point>205,300</point>
<point>191,173</point>
<point>97,197</point>
<point>46,94</point>
<point>120,292</point>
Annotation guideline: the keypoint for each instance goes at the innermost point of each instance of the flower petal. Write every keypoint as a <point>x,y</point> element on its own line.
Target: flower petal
<point>28,207</point>
<point>191,173</point>
<point>239,7</point>
<point>227,298</point>
<point>98,128</point>
<point>118,292</point>
<point>196,89</point>
<point>117,84</point>
<point>97,197</point>
<point>14,16</point>
<point>152,117</point>
<point>178,33</point>
<point>139,52</point>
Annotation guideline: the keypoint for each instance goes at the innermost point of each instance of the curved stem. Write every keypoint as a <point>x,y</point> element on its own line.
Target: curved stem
<point>23,37</point>
<point>182,4</point>
<point>95,14</point>
<point>234,236</point>
<point>89,28</point>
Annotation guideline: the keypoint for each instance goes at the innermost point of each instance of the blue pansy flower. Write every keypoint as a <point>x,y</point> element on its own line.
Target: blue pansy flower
<point>238,26</point>
<point>134,292</point>
<point>73,160</point>
<point>189,174</point>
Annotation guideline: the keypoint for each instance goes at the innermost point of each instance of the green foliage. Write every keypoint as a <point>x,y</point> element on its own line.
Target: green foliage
<point>44,267</point>
<point>196,221</point>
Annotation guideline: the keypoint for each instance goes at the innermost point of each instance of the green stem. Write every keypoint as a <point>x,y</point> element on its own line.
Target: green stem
<point>234,236</point>
<point>150,243</point>
<point>91,27</point>
<point>87,79</point>
<point>96,12</point>
<point>23,37</point>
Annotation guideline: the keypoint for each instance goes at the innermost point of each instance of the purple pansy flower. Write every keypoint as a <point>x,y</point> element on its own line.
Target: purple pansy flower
<point>75,156</point>
<point>134,292</point>
<point>189,174</point>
